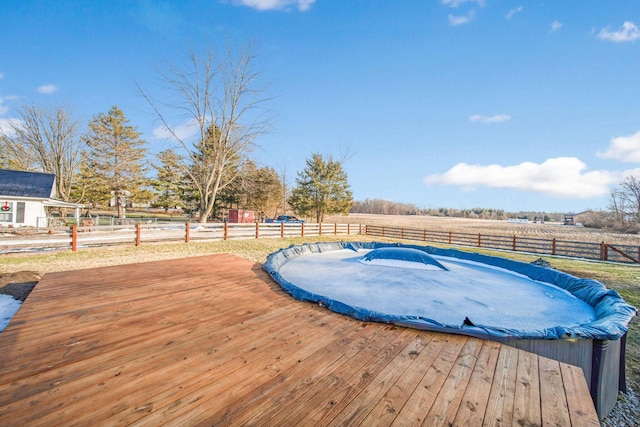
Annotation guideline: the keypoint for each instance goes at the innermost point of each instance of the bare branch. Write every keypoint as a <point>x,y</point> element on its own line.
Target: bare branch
<point>221,99</point>
<point>46,141</point>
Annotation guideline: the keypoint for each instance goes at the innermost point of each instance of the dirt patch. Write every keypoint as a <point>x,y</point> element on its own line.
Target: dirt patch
<point>20,284</point>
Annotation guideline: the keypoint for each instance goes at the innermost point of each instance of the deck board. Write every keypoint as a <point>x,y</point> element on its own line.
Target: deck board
<point>213,340</point>
<point>526,407</point>
<point>471,411</point>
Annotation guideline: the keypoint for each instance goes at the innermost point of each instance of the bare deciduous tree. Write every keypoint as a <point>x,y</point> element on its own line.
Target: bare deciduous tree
<point>630,192</point>
<point>617,206</point>
<point>221,100</point>
<point>45,140</point>
<point>284,184</point>
<point>624,204</point>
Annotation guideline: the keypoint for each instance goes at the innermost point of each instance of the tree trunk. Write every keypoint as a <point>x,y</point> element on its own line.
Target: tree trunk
<point>120,205</point>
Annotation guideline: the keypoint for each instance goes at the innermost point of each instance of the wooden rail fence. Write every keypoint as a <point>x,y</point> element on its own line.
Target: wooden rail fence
<point>76,237</point>
<point>587,250</point>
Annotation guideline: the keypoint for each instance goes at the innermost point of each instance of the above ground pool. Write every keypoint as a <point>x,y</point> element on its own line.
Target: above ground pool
<point>449,290</point>
<point>538,309</point>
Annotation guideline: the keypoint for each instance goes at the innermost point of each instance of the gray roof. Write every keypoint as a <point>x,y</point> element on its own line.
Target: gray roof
<point>26,184</point>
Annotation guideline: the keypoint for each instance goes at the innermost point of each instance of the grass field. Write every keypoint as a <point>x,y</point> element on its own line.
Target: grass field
<point>503,228</point>
<point>624,278</point>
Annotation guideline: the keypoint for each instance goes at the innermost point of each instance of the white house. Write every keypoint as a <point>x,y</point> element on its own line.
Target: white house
<point>24,197</point>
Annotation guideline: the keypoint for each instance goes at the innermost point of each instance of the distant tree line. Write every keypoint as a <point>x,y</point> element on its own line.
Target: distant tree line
<point>474,213</point>
<point>386,207</point>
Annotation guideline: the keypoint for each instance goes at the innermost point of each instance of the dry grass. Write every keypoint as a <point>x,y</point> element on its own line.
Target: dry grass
<point>503,228</point>
<point>255,250</point>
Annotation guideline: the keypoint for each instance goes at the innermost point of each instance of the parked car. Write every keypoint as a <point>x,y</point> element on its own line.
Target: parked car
<point>286,219</point>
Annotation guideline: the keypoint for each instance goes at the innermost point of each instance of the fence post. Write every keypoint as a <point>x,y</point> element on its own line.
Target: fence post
<point>513,246</point>
<point>604,252</point>
<point>302,229</point>
<point>186,232</point>
<point>479,240</point>
<point>335,228</point>
<point>402,232</point>
<point>138,234</point>
<point>320,229</point>
<point>282,230</point>
<point>74,237</point>
<point>257,229</point>
<point>553,246</point>
<point>226,230</point>
<point>382,231</point>
<point>449,236</point>
<point>348,229</point>
<point>424,235</point>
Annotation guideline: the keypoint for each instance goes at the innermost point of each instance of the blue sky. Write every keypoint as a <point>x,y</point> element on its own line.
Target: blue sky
<point>516,105</point>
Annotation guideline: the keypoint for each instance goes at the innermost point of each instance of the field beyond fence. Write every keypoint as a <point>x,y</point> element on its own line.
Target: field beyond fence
<point>588,250</point>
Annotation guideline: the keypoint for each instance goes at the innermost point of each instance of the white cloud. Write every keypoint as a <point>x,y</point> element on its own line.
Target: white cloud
<point>512,12</point>
<point>48,89</point>
<point>7,126</point>
<point>457,3</point>
<point>7,123</point>
<point>461,20</point>
<point>3,108</point>
<point>561,177</point>
<point>555,26</point>
<point>624,148</point>
<point>302,5</point>
<point>498,118</point>
<point>183,131</point>
<point>627,33</point>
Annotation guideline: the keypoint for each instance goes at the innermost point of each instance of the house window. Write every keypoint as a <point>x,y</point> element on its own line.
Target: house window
<point>6,212</point>
<point>20,212</point>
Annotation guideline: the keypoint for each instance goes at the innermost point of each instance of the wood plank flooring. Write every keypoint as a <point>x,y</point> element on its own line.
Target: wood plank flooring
<point>214,341</point>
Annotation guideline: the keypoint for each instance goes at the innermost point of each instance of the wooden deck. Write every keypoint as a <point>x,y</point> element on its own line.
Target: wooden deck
<point>214,341</point>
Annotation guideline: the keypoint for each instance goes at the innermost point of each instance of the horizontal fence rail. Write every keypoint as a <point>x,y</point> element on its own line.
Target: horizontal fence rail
<point>77,237</point>
<point>587,250</point>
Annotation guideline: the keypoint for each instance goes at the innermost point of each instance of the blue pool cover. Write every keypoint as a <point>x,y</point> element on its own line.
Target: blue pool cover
<point>447,290</point>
